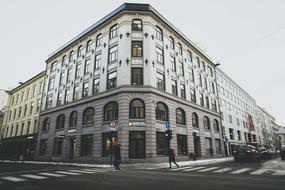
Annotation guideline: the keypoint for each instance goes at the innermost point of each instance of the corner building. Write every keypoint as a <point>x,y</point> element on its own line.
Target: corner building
<point>136,69</point>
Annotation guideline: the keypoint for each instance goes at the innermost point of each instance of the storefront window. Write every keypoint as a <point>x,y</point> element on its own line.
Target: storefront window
<point>107,138</point>
<point>86,145</point>
<point>57,149</point>
<point>161,146</point>
<point>182,144</point>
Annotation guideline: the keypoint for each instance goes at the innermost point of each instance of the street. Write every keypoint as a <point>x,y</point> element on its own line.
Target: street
<point>228,175</point>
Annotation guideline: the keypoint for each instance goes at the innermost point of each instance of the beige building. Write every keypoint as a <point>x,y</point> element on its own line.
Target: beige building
<point>21,118</point>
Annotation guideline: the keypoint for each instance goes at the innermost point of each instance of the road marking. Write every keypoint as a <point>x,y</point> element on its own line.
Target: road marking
<point>240,171</point>
<point>34,176</point>
<point>279,172</point>
<point>52,174</point>
<point>208,169</point>
<point>258,172</point>
<point>193,169</point>
<point>67,173</point>
<point>181,168</point>
<point>97,170</point>
<point>14,179</point>
<point>222,170</point>
<point>82,171</point>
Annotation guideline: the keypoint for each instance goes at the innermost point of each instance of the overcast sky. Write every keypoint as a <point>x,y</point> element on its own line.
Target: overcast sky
<point>246,37</point>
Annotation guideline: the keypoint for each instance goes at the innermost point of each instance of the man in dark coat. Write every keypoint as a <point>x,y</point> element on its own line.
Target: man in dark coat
<point>117,160</point>
<point>171,156</point>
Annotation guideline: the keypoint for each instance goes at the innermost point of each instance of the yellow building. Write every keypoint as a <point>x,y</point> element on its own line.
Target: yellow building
<point>21,119</point>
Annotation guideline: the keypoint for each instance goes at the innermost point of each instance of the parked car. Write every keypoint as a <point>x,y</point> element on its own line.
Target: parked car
<point>266,153</point>
<point>282,152</point>
<point>246,152</point>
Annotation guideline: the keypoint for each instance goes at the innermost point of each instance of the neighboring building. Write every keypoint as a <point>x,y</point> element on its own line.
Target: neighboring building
<point>267,124</point>
<point>281,133</point>
<point>237,112</point>
<point>3,99</point>
<point>133,70</point>
<point>21,119</point>
<point>275,130</point>
<point>1,123</point>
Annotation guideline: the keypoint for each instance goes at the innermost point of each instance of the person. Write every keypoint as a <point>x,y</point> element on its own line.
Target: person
<point>117,160</point>
<point>171,156</point>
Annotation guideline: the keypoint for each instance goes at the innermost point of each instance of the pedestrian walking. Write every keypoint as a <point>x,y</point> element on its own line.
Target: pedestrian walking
<point>171,155</point>
<point>117,160</point>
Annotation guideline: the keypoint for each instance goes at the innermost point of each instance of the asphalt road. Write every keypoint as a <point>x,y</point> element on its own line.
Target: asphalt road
<point>267,175</point>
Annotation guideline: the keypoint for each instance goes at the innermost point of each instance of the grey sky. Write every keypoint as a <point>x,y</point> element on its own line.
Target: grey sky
<point>246,37</point>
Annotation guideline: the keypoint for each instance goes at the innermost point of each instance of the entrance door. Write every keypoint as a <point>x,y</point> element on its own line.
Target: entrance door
<point>137,144</point>
<point>197,146</point>
<point>72,143</point>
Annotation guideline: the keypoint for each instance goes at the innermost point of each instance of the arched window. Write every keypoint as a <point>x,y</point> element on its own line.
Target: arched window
<point>195,120</point>
<point>80,51</point>
<point>64,59</point>
<point>137,25</point>
<point>158,33</point>
<point>46,124</point>
<point>137,109</point>
<point>71,56</point>
<point>206,123</point>
<point>88,46</point>
<point>161,112</point>
<point>180,116</point>
<point>111,111</point>
<point>172,43</point>
<point>113,31</point>
<point>60,121</point>
<point>216,125</point>
<point>99,40</point>
<point>88,116</point>
<point>73,119</point>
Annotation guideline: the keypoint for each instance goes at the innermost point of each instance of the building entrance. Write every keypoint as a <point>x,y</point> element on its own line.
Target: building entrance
<point>197,146</point>
<point>72,144</point>
<point>137,145</point>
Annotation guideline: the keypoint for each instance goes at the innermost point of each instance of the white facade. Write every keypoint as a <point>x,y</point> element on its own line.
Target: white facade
<point>3,99</point>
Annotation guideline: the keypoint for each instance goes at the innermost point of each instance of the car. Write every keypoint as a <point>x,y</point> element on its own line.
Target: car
<point>246,152</point>
<point>282,152</point>
<point>266,153</point>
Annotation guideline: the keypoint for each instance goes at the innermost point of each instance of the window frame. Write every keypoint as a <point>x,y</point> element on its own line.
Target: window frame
<point>134,26</point>
<point>137,112</point>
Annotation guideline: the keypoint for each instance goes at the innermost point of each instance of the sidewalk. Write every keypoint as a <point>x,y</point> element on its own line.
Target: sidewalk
<point>128,165</point>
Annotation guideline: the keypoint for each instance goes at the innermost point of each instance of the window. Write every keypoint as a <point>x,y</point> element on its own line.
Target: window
<point>137,76</point>
<point>111,111</point>
<point>160,81</point>
<point>230,119</point>
<point>137,109</point>
<point>19,113</point>
<point>59,98</point>
<point>77,70</point>
<point>216,125</point>
<point>73,119</point>
<point>180,48</point>
<point>33,92</point>
<point>61,79</point>
<point>137,25</point>
<point>137,49</point>
<point>67,96</point>
<point>35,126</point>
<point>112,80</point>
<point>195,120</point>
<point>201,99</point>
<point>60,121</point>
<point>207,102</point>
<point>99,40</point>
<point>46,124</point>
<point>113,31</point>
<point>189,55</point>
<point>214,105</point>
<point>174,87</point>
<point>193,95</point>
<point>204,66</point>
<point>180,116</point>
<point>239,135</point>
<point>76,92</point>
<point>161,148</point>
<point>173,63</point>
<point>53,67</point>
<point>38,105</point>
<point>231,131</point>
<point>57,148</point>
<point>238,124</point>
<point>43,147</point>
<point>85,89</point>
<point>69,74</point>
<point>200,79</point>
<point>206,83</point>
<point>31,108</point>
<point>88,116</point>
<point>88,46</point>
<point>213,88</point>
<point>159,55</point>
<point>198,62</point>
<point>64,61</point>
<point>50,84</point>
<point>182,145</point>
<point>71,56</point>
<point>218,146</point>
<point>107,138</point>
<point>48,103</point>
<point>158,33</point>
<point>80,51</point>
<point>172,43</point>
<point>96,86</point>
<point>97,61</point>
<point>161,112</point>
<point>191,75</point>
<point>87,66</point>
<point>182,91</point>
<point>206,123</point>
<point>181,69</point>
<point>210,71</point>
<point>113,54</point>
<point>28,92</point>
<point>86,145</point>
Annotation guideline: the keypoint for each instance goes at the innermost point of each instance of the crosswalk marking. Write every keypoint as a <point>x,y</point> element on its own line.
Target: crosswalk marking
<point>67,173</point>
<point>82,171</point>
<point>208,169</point>
<point>181,168</point>
<point>14,179</point>
<point>240,171</point>
<point>279,172</point>
<point>222,170</point>
<point>258,172</point>
<point>33,176</point>
<point>97,170</point>
<point>193,169</point>
<point>52,174</point>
